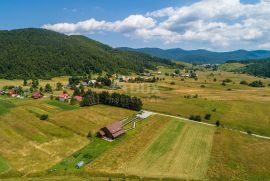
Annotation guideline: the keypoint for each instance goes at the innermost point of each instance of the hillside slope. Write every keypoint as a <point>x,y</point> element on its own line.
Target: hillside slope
<point>202,56</point>
<point>39,53</point>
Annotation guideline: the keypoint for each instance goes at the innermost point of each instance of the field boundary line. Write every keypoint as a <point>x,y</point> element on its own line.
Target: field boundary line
<point>208,124</point>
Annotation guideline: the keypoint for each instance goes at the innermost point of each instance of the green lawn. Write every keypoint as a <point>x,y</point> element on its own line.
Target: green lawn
<point>5,106</point>
<point>89,153</point>
<point>3,165</point>
<point>62,105</point>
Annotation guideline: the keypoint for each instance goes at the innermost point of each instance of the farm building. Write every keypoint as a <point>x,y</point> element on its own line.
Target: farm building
<point>37,95</point>
<point>112,131</point>
<point>63,97</point>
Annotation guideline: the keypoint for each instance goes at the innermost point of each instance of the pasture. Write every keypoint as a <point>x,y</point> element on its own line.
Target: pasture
<point>160,147</point>
<point>163,148</point>
<point>239,157</point>
<point>30,145</point>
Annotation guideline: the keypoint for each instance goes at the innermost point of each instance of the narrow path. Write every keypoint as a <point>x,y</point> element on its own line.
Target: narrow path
<point>185,119</point>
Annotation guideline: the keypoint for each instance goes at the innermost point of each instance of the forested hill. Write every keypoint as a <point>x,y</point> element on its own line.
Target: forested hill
<point>202,56</point>
<point>39,53</point>
<point>255,67</point>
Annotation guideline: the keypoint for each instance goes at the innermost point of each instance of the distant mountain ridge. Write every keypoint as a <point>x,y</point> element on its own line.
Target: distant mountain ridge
<point>202,56</point>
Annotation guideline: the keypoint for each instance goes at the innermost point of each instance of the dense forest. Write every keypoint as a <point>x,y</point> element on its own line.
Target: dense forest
<point>39,53</point>
<point>255,67</point>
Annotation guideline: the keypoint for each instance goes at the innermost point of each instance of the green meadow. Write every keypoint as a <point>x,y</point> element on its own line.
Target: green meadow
<point>159,148</point>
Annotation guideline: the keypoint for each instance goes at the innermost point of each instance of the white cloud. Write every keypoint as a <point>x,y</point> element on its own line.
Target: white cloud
<point>129,24</point>
<point>223,24</point>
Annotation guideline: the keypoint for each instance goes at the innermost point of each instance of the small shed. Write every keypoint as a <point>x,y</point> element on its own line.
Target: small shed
<point>112,131</point>
<point>80,164</point>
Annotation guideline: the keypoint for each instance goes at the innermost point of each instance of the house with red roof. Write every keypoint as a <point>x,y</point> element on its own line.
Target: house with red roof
<point>63,97</point>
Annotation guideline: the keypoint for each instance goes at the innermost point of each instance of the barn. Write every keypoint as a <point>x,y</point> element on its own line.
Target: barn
<point>112,131</point>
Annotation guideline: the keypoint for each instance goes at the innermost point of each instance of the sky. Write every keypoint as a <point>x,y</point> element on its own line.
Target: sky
<point>218,25</point>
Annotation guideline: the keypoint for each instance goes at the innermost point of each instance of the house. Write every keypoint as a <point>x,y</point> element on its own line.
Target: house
<point>159,73</point>
<point>78,98</point>
<point>112,131</point>
<point>63,97</point>
<point>37,95</point>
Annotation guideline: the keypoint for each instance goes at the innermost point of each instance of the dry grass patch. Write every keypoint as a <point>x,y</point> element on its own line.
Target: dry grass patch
<point>83,120</point>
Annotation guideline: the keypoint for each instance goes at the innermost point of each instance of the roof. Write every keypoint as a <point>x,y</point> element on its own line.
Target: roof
<point>116,129</point>
<point>80,164</point>
<point>37,94</point>
<point>78,98</point>
<point>63,95</point>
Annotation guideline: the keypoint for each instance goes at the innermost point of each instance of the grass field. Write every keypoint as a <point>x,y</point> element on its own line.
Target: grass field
<point>162,148</point>
<point>180,151</point>
<point>236,106</point>
<point>5,106</point>
<point>31,145</point>
<point>3,165</point>
<point>159,147</point>
<point>62,105</point>
<point>239,157</point>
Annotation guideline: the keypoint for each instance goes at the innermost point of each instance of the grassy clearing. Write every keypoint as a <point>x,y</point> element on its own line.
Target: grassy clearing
<point>239,157</point>
<point>87,154</point>
<point>3,165</point>
<point>62,105</point>
<point>180,151</point>
<point>5,106</point>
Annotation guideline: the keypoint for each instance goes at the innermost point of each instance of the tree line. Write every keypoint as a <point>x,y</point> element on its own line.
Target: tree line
<point>115,99</point>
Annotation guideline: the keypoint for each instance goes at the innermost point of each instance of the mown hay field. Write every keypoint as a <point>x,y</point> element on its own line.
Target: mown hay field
<point>164,148</point>
<point>30,145</point>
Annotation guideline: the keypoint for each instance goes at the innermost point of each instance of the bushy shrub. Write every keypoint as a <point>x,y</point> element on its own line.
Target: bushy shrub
<point>195,118</point>
<point>243,82</point>
<point>44,117</point>
<point>207,116</point>
<point>257,83</point>
<point>227,80</point>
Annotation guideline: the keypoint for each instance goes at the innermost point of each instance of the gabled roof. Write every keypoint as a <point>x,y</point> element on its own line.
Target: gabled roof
<point>116,129</point>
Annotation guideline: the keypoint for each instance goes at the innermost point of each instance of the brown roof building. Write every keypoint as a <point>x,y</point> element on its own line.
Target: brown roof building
<point>37,95</point>
<point>112,131</point>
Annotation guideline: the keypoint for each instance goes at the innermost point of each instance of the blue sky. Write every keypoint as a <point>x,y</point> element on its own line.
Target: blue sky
<point>219,25</point>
